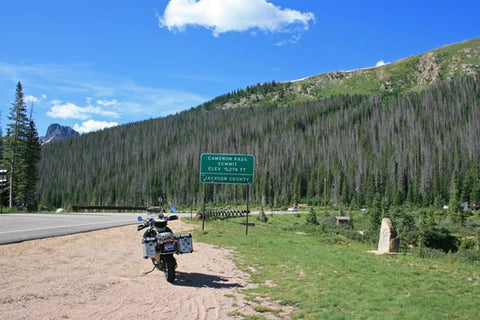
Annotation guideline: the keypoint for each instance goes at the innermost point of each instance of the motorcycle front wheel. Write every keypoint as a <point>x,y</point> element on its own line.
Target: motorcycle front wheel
<point>169,268</point>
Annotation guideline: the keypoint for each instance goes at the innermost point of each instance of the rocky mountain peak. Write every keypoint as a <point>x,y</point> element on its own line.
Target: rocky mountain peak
<point>57,132</point>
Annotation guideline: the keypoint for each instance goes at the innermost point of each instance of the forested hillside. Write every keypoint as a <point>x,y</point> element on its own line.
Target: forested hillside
<point>417,146</point>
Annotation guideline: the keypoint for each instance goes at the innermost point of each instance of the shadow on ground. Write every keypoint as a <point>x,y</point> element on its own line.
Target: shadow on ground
<point>201,280</point>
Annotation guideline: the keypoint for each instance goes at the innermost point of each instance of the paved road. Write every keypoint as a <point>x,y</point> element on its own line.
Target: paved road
<point>21,227</point>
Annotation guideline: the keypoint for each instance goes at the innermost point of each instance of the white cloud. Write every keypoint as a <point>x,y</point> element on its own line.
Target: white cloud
<point>107,103</point>
<point>93,125</point>
<point>31,99</point>
<point>70,110</point>
<point>66,111</point>
<point>292,40</point>
<point>233,15</point>
<point>380,63</point>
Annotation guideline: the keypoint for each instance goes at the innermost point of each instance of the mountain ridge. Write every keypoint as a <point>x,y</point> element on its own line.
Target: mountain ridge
<point>412,73</point>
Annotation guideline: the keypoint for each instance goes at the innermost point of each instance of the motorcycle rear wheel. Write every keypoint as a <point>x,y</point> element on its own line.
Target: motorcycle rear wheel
<point>169,268</point>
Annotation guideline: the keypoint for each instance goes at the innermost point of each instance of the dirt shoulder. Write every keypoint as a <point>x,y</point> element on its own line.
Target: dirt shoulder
<point>101,275</point>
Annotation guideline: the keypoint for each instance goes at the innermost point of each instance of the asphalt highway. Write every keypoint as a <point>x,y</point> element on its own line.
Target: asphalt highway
<point>20,227</point>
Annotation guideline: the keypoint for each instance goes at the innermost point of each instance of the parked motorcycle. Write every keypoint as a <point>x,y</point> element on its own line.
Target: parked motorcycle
<point>160,243</point>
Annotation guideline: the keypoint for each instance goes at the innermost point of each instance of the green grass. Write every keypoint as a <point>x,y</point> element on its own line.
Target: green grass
<point>328,277</point>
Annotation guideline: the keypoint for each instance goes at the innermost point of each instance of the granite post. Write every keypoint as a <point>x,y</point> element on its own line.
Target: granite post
<point>389,242</point>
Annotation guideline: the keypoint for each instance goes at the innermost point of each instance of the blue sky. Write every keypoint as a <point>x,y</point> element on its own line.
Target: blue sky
<point>91,64</point>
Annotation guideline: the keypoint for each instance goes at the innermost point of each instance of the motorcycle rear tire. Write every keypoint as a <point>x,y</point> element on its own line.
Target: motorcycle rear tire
<point>169,268</point>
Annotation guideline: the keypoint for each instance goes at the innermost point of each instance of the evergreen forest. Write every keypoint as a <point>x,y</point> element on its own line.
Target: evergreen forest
<point>417,147</point>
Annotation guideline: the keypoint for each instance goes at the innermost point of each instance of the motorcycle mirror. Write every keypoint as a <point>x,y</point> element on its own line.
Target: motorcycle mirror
<point>139,219</point>
<point>173,217</point>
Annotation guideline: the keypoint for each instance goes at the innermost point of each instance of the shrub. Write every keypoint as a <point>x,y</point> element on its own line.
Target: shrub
<point>262,216</point>
<point>438,238</point>
<point>469,255</point>
<point>312,217</point>
<point>404,223</point>
<point>425,252</point>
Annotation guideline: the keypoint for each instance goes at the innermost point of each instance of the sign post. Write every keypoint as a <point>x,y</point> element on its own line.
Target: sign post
<point>3,182</point>
<point>226,169</point>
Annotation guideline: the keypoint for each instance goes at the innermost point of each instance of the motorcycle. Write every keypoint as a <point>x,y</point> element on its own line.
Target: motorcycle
<point>160,244</point>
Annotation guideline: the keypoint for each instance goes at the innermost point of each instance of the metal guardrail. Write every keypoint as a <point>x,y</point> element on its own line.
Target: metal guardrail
<point>77,208</point>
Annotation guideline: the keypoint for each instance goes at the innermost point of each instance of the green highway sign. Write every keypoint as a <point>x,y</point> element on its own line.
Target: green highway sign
<point>227,168</point>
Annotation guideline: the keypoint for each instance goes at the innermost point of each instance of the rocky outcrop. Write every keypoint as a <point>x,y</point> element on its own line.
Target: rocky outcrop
<point>57,132</point>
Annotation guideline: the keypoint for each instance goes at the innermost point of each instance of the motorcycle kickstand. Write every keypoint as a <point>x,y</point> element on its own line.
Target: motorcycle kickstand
<point>144,273</point>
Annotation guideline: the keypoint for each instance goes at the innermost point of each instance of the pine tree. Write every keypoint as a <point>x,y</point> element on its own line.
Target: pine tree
<point>15,144</point>
<point>31,158</point>
<point>455,210</point>
<point>475,193</point>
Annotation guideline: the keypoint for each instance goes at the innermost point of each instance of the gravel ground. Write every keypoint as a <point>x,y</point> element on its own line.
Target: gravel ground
<point>102,275</point>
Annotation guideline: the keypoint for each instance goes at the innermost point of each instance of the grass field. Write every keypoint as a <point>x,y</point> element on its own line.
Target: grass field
<point>326,276</point>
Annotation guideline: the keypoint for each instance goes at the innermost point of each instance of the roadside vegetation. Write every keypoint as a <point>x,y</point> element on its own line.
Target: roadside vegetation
<point>325,271</point>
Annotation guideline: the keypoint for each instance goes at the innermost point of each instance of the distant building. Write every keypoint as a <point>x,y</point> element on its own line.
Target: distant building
<point>342,220</point>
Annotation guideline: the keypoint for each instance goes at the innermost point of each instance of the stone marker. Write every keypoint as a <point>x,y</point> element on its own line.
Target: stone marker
<point>389,242</point>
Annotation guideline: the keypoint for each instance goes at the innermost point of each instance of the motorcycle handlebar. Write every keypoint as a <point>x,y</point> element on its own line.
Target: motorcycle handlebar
<point>140,227</point>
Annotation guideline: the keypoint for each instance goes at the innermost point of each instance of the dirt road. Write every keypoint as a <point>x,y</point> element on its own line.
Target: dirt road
<point>101,275</point>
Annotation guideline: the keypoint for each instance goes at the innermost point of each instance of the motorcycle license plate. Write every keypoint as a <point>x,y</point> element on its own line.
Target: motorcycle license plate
<point>169,246</point>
